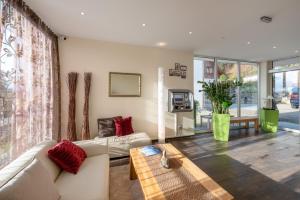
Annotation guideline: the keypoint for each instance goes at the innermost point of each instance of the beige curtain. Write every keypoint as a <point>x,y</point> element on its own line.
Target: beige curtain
<point>30,90</point>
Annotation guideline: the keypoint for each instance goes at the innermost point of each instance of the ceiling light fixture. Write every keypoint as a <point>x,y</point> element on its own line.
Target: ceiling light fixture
<point>143,25</point>
<point>274,47</point>
<point>248,42</point>
<point>82,13</point>
<point>161,44</point>
<point>190,32</point>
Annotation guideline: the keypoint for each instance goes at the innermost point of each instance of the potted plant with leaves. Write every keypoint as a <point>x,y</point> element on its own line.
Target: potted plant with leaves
<point>220,93</point>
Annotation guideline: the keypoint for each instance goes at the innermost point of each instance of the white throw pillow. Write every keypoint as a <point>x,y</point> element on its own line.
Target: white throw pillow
<point>33,183</point>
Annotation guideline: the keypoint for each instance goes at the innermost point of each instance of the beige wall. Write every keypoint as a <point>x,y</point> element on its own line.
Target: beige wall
<point>100,58</point>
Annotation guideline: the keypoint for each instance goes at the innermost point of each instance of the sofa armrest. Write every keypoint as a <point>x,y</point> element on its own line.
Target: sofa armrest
<point>92,148</point>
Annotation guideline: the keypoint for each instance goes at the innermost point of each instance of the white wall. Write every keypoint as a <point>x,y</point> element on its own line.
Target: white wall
<point>265,81</point>
<point>100,58</point>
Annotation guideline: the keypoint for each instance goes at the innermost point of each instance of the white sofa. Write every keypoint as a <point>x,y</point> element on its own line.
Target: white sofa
<point>33,176</point>
<point>119,146</point>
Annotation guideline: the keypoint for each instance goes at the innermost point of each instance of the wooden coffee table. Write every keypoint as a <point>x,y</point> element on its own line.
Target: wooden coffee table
<point>184,180</point>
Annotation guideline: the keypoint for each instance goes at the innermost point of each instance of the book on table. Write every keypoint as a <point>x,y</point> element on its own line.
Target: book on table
<point>150,150</point>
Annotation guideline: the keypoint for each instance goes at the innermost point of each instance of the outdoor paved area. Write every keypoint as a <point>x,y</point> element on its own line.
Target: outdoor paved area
<point>288,114</point>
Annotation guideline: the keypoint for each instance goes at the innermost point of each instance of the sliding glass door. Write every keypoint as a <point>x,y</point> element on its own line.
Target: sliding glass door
<point>286,93</point>
<point>286,84</point>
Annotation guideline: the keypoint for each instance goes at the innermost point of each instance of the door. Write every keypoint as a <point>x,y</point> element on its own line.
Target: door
<point>286,94</point>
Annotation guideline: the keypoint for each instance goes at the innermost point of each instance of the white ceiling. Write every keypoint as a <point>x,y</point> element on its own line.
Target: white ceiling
<point>220,28</point>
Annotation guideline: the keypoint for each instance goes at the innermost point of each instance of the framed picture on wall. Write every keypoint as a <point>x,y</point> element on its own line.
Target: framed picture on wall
<point>177,66</point>
<point>171,72</point>
<point>183,68</point>
<point>183,74</point>
<point>177,73</point>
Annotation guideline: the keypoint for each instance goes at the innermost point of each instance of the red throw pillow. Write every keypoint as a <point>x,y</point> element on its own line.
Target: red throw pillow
<point>118,125</point>
<point>127,126</point>
<point>123,126</point>
<point>67,156</point>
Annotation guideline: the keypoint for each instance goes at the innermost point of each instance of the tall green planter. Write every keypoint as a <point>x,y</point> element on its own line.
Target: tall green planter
<point>221,125</point>
<point>269,120</point>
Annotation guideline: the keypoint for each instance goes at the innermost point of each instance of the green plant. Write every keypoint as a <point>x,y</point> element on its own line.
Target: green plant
<point>219,92</point>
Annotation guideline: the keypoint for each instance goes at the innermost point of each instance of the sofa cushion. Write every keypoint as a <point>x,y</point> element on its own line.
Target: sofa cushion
<point>127,126</point>
<point>92,147</point>
<point>123,126</point>
<point>119,146</point>
<point>106,126</point>
<point>67,156</point>
<point>49,165</point>
<point>32,183</point>
<point>90,183</point>
<point>119,126</point>
<point>11,170</point>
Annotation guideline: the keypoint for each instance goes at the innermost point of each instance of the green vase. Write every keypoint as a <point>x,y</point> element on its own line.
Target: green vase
<point>221,125</point>
<point>269,120</point>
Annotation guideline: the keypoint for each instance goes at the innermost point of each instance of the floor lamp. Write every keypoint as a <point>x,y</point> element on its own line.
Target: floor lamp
<point>160,103</point>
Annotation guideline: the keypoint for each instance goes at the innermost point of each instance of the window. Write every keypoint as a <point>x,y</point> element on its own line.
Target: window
<point>286,84</point>
<point>246,100</point>
<point>230,70</point>
<point>27,83</point>
<point>249,91</point>
<point>203,71</point>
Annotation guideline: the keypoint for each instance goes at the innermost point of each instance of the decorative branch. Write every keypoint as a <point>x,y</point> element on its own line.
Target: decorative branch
<point>85,131</point>
<point>72,83</point>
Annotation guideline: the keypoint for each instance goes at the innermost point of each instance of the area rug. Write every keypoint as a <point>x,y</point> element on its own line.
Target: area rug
<point>121,187</point>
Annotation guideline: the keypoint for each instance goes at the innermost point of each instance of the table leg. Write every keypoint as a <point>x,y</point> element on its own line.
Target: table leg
<point>208,124</point>
<point>256,124</point>
<point>132,175</point>
<point>247,124</point>
<point>201,121</point>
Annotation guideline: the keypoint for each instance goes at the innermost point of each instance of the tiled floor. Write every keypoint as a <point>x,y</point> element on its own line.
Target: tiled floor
<point>249,166</point>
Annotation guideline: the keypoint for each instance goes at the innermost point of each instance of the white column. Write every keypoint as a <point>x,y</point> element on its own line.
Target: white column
<point>160,105</point>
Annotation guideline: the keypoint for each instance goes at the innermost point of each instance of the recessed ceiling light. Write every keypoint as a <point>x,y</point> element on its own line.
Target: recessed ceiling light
<point>248,42</point>
<point>82,13</point>
<point>161,44</point>
<point>274,47</point>
<point>190,32</point>
<point>143,25</point>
